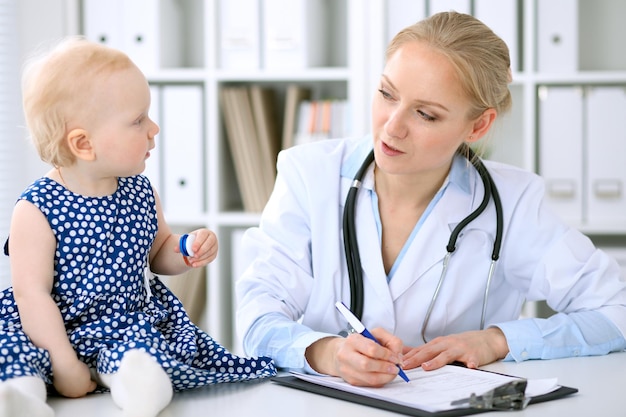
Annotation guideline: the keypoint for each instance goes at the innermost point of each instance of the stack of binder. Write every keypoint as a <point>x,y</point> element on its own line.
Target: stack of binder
<point>294,96</point>
<point>253,139</point>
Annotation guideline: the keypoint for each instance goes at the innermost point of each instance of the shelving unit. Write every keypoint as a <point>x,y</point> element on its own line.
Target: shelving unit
<point>356,58</point>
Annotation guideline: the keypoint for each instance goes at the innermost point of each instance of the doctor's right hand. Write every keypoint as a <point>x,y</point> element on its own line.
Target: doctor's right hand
<point>357,359</point>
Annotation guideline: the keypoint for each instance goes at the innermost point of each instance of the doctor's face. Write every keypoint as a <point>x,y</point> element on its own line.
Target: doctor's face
<point>419,113</point>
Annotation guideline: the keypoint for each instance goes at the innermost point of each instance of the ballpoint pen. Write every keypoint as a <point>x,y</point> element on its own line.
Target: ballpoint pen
<point>360,328</point>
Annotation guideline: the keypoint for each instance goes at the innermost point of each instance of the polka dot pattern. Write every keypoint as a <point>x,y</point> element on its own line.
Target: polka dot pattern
<point>102,248</point>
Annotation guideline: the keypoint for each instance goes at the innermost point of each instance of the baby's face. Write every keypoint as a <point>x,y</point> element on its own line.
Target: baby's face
<point>121,131</point>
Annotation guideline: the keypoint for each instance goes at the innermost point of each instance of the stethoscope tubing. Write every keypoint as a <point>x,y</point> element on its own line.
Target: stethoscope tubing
<point>353,257</point>
<point>351,249</point>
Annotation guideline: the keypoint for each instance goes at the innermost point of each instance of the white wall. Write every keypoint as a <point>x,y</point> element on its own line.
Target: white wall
<point>38,22</point>
<point>11,151</point>
<point>42,22</point>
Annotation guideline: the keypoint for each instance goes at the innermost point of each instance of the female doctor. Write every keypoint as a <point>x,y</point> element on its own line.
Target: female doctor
<point>444,83</point>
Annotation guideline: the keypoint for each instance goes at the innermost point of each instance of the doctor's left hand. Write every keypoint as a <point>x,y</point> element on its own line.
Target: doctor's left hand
<point>473,348</point>
<point>357,359</point>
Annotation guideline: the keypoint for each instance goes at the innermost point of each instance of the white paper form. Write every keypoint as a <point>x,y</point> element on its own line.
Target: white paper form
<point>428,390</point>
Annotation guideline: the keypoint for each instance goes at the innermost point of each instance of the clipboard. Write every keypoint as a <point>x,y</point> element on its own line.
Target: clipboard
<point>294,382</point>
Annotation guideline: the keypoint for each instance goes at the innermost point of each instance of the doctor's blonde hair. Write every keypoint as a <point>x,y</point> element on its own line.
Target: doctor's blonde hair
<point>58,86</point>
<point>479,56</point>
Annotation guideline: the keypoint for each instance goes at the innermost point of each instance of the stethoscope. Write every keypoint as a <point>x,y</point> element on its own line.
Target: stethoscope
<point>353,257</point>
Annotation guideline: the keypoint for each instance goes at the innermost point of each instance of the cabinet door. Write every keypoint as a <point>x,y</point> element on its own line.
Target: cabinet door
<point>606,138</point>
<point>560,149</point>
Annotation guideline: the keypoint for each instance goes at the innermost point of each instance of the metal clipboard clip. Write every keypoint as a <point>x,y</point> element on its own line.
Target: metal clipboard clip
<point>509,396</point>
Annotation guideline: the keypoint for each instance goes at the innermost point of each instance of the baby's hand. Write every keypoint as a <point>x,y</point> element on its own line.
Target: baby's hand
<point>73,380</point>
<point>203,247</point>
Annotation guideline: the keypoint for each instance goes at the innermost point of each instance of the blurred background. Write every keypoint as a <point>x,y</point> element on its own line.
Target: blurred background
<point>235,81</point>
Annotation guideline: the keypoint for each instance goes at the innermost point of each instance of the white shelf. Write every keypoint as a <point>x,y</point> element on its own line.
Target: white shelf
<point>310,74</point>
<point>582,77</point>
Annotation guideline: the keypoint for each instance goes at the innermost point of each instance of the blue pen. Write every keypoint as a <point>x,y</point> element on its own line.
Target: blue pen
<point>360,328</point>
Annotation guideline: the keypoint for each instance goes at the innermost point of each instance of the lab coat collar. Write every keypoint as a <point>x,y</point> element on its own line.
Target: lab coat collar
<point>355,158</point>
<point>422,254</point>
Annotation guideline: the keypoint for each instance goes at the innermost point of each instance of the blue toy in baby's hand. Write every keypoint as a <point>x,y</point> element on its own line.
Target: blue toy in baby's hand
<point>185,243</point>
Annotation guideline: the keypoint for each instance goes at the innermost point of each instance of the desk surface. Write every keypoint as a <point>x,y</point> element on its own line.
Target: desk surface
<point>600,381</point>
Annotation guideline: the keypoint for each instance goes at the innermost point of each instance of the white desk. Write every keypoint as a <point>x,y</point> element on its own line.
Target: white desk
<point>600,381</point>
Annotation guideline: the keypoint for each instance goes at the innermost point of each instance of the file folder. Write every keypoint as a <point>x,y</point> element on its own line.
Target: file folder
<point>557,35</point>
<point>560,125</point>
<point>294,96</point>
<point>606,156</point>
<point>182,147</point>
<point>148,31</point>
<point>292,34</point>
<point>103,22</point>
<point>239,31</point>
<point>142,27</point>
<point>501,16</point>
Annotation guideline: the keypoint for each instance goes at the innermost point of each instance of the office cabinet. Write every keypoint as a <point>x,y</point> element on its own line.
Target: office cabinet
<point>214,45</point>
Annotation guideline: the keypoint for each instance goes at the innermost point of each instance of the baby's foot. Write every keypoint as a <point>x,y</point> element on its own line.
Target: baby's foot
<point>15,403</point>
<point>141,388</point>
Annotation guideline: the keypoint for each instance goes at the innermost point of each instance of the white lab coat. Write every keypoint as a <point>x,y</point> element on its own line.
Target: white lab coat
<point>297,268</point>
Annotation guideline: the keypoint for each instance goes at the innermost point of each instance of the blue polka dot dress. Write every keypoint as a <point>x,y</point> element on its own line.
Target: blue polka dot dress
<point>107,298</point>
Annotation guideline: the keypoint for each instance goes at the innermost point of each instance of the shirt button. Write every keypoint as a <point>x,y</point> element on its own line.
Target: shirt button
<point>524,355</point>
